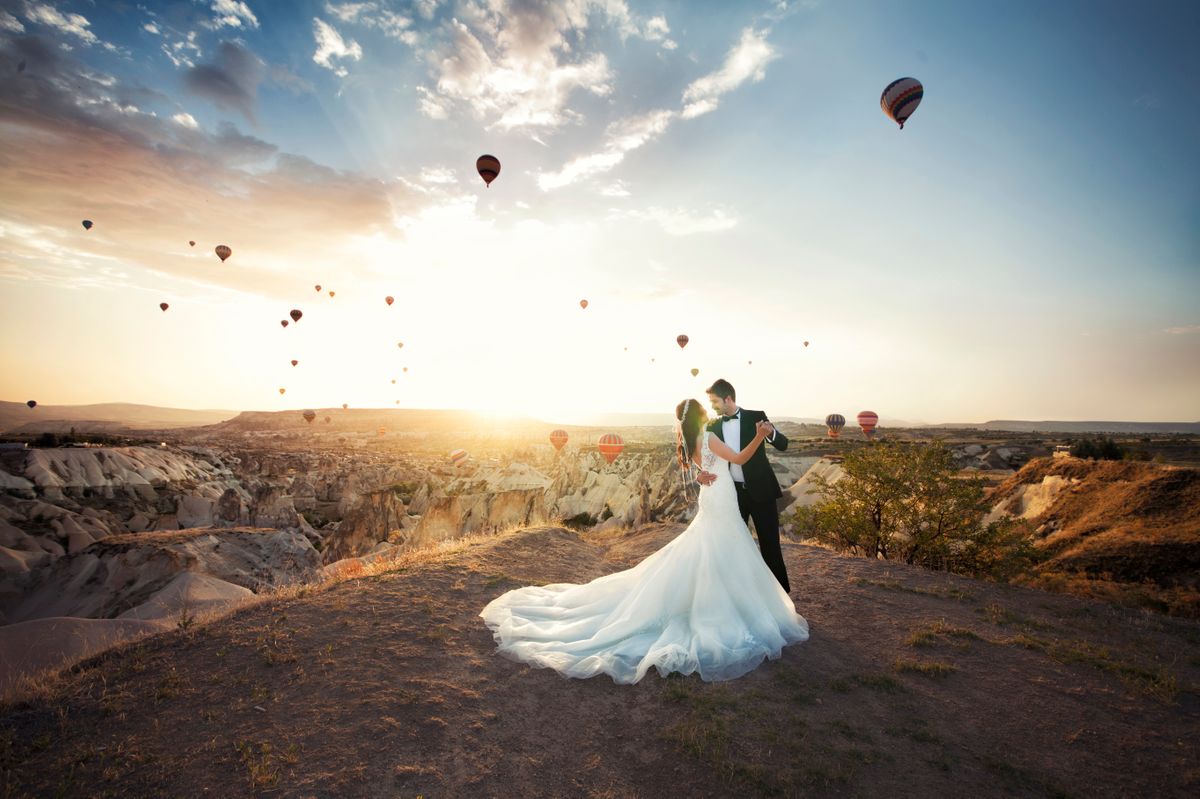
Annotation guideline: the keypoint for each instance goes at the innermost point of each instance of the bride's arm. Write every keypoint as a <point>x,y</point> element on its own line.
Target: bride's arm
<point>722,450</point>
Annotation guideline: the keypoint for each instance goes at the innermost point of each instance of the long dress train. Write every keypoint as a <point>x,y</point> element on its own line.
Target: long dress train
<point>706,602</point>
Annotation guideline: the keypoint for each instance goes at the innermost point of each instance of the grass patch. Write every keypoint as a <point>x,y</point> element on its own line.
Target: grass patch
<point>928,668</point>
<point>1003,617</point>
<point>915,729</point>
<point>1016,778</point>
<point>939,633</point>
<point>955,594</point>
<point>1154,681</point>
<point>261,768</point>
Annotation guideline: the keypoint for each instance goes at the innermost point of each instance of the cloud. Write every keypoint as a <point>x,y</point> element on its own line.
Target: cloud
<point>181,52</point>
<point>331,45</point>
<point>621,138</point>
<point>74,24</point>
<point>683,222</point>
<point>10,23</point>
<point>230,82</point>
<point>439,175</point>
<point>231,14</point>
<point>372,15</point>
<point>519,62</point>
<point>1182,330</point>
<point>615,189</point>
<point>746,61</point>
<point>185,119</point>
<point>151,27</point>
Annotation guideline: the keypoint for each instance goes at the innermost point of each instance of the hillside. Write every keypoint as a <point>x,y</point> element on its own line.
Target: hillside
<point>913,683</point>
<point>1120,530</point>
<point>15,416</point>
<point>1024,426</point>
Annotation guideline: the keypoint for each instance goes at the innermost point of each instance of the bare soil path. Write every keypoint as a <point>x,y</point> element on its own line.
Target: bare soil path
<point>913,683</point>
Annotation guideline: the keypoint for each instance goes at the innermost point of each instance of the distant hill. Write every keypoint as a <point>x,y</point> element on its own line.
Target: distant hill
<point>16,416</point>
<point>1020,426</point>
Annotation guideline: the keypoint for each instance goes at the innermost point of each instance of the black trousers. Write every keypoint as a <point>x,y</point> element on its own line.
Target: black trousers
<point>766,527</point>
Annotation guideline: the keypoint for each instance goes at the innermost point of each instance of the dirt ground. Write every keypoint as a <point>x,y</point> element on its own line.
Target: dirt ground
<point>913,683</point>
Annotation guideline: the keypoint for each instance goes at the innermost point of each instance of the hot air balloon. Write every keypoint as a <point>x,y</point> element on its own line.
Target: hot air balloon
<point>327,420</point>
<point>806,343</point>
<point>682,341</point>
<point>295,314</point>
<point>381,431</point>
<point>901,98</point>
<point>282,391</point>
<point>695,372</point>
<point>87,224</point>
<point>835,422</point>
<point>317,288</point>
<point>400,344</point>
<point>867,421</point>
<point>309,416</point>
<point>558,438</point>
<point>31,403</point>
<point>393,381</point>
<point>583,303</point>
<point>345,405</point>
<point>459,457</point>
<point>488,167</point>
<point>610,446</point>
<point>283,322</point>
<point>294,362</point>
<point>389,299</point>
<point>223,252</point>
<point>749,363</point>
<point>191,244</point>
<point>332,293</point>
<point>163,306</point>
<point>405,369</point>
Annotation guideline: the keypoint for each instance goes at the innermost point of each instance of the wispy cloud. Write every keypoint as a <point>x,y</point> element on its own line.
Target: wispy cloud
<point>185,119</point>
<point>231,14</point>
<point>374,15</point>
<point>746,61</point>
<point>685,222</point>
<point>10,23</point>
<point>230,81</point>
<point>621,138</point>
<point>75,25</point>
<point>1182,330</point>
<point>331,46</point>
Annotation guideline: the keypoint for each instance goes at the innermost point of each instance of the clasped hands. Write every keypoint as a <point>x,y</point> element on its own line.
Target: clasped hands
<point>764,427</point>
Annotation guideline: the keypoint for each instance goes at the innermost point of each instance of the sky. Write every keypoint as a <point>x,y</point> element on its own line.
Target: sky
<point>1027,247</point>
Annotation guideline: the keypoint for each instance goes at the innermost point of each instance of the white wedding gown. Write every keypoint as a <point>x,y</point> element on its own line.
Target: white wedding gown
<point>705,603</point>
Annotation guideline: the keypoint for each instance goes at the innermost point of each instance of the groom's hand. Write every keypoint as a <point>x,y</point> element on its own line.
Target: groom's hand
<point>706,478</point>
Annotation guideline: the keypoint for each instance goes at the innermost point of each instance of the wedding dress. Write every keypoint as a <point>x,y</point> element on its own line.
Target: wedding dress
<point>706,603</point>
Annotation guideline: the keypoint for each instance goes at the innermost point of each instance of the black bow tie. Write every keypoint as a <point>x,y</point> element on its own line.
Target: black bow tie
<point>730,418</point>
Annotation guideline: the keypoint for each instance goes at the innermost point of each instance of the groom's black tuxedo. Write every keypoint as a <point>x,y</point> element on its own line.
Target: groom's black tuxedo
<point>757,495</point>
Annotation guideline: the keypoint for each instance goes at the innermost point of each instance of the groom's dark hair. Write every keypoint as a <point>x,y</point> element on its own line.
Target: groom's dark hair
<point>723,389</point>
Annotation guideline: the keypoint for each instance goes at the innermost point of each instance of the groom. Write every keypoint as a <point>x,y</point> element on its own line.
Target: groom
<point>757,488</point>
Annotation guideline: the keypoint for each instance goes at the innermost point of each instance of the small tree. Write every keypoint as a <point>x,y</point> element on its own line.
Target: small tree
<point>904,501</point>
<point>1099,448</point>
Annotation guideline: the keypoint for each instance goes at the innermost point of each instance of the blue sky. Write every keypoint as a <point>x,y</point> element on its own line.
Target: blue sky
<point>1027,247</point>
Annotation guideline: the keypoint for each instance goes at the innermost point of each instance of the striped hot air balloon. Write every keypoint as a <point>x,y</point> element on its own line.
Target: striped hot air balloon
<point>835,422</point>
<point>223,252</point>
<point>558,438</point>
<point>610,446</point>
<point>488,167</point>
<point>867,421</point>
<point>309,415</point>
<point>681,340</point>
<point>459,457</point>
<point>901,98</point>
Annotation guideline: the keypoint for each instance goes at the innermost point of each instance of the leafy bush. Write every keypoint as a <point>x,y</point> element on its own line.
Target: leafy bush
<point>1101,449</point>
<point>904,501</point>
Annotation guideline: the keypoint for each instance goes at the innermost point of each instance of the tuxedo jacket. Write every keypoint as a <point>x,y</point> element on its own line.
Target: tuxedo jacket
<point>761,482</point>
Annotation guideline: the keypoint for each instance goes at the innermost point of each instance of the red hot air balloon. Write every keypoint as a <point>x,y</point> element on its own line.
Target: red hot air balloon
<point>583,303</point>
<point>295,314</point>
<point>389,299</point>
<point>806,344</point>
<point>488,167</point>
<point>309,416</point>
<point>558,438</point>
<point>835,422</point>
<point>163,306</point>
<point>867,421</point>
<point>31,403</point>
<point>223,252</point>
<point>317,288</point>
<point>283,322</point>
<point>610,446</point>
<point>682,341</point>
<point>900,98</point>
<point>87,224</point>
<point>294,362</point>
<point>191,244</point>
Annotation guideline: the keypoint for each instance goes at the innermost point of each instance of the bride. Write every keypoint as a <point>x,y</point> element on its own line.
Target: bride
<point>705,603</point>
